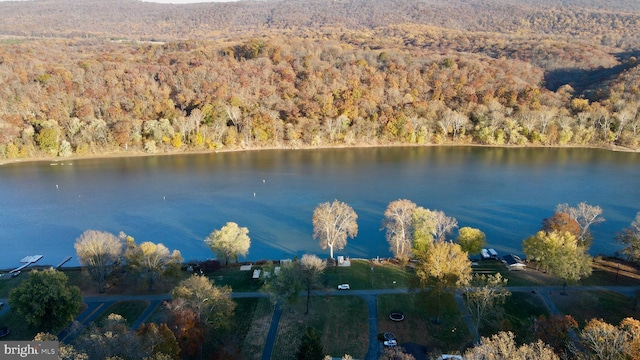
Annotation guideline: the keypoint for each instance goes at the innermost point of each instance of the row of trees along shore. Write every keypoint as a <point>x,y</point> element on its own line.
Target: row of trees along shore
<point>560,247</point>
<point>198,307</point>
<point>413,232</point>
<point>87,97</point>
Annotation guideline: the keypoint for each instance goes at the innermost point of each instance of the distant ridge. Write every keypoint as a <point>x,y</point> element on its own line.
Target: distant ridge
<point>138,20</point>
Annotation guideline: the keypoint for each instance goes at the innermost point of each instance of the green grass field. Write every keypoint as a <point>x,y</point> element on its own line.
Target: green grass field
<point>610,306</point>
<point>340,321</point>
<point>364,274</point>
<point>420,326</point>
<point>18,329</point>
<point>253,319</point>
<point>520,310</point>
<point>239,281</point>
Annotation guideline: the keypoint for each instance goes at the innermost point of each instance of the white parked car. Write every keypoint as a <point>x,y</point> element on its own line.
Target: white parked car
<point>390,343</point>
<point>452,357</point>
<point>344,287</point>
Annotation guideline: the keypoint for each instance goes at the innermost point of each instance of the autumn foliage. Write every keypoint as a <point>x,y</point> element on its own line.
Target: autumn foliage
<point>314,85</point>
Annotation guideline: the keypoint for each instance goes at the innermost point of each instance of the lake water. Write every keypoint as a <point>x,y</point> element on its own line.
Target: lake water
<point>178,200</point>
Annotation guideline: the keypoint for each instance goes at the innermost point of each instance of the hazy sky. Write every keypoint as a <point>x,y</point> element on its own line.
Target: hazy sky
<point>169,1</point>
<point>185,1</point>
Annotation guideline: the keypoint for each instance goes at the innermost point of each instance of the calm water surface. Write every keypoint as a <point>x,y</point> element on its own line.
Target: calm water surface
<point>178,200</point>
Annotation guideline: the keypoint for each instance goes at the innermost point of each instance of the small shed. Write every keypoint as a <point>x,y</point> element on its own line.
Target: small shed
<point>513,262</point>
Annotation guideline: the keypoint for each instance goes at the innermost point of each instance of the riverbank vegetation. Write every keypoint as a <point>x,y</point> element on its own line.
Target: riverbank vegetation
<point>557,76</point>
<point>247,332</point>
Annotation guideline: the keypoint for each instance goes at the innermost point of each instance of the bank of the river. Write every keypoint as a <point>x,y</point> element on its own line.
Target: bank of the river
<point>140,153</point>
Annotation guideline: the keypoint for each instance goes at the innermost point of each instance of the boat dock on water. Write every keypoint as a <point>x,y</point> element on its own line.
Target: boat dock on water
<point>27,260</point>
<point>63,262</point>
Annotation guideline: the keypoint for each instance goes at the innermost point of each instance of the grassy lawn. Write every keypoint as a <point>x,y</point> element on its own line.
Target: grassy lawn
<point>420,310</point>
<point>604,277</point>
<point>340,321</point>
<point>8,283</point>
<point>240,281</point>
<point>129,310</point>
<point>520,310</point>
<point>610,306</point>
<point>253,325</point>
<point>360,275</point>
<point>528,277</point>
<point>18,329</point>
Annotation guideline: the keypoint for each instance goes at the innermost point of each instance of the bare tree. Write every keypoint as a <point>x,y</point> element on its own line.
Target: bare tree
<point>483,295</point>
<point>99,251</point>
<point>151,260</point>
<point>603,341</point>
<point>311,267</point>
<point>443,224</point>
<point>458,122</point>
<point>192,122</point>
<point>333,223</point>
<point>624,116</point>
<point>546,115</point>
<point>630,237</point>
<point>529,120</point>
<point>502,346</point>
<point>399,224</point>
<point>585,215</point>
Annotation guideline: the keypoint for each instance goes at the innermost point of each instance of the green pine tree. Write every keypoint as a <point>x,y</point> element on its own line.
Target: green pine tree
<point>311,346</point>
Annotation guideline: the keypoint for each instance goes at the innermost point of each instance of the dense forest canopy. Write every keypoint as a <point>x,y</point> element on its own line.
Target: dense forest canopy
<point>82,77</point>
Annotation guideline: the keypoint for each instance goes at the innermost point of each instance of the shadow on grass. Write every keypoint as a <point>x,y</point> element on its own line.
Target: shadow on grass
<point>420,309</point>
<point>18,328</point>
<point>610,306</point>
<point>520,311</point>
<point>364,274</point>
<point>341,322</point>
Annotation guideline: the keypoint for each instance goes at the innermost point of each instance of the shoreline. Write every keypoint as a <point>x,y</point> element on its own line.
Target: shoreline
<point>138,153</point>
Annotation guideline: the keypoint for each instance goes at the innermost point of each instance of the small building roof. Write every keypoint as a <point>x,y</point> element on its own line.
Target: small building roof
<point>512,260</point>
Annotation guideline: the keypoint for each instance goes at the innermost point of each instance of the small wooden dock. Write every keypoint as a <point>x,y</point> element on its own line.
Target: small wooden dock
<point>27,260</point>
<point>63,262</point>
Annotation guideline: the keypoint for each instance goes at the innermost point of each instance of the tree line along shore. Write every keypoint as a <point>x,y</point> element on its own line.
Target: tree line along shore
<point>63,98</point>
<point>201,315</point>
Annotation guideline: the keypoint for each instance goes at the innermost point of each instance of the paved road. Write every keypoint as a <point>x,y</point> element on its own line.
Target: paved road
<point>96,305</point>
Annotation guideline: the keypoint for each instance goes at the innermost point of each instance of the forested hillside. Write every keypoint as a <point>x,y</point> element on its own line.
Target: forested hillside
<point>88,77</point>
